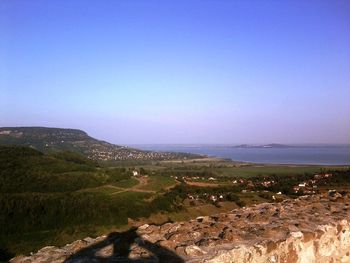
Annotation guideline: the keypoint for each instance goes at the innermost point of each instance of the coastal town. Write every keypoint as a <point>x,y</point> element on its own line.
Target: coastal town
<point>122,153</point>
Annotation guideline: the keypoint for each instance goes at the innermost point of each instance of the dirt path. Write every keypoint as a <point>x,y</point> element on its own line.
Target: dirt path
<point>142,181</point>
<point>172,186</point>
<point>136,188</point>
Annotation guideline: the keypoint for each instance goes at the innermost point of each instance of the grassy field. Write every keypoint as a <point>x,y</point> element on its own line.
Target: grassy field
<point>158,183</point>
<point>132,196</point>
<point>253,170</point>
<point>219,167</point>
<point>105,189</point>
<point>128,183</point>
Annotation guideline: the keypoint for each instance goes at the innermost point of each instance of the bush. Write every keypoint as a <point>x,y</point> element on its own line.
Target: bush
<point>241,203</point>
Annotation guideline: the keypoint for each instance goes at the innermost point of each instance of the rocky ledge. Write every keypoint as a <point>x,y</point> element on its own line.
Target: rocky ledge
<point>307,229</point>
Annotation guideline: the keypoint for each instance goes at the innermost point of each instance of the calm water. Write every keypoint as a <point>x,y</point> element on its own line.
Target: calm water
<point>330,155</point>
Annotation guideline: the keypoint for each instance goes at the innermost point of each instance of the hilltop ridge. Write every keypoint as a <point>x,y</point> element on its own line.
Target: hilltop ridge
<point>58,139</point>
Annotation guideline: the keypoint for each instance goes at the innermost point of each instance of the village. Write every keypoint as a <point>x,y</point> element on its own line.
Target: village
<point>125,153</point>
<point>264,186</point>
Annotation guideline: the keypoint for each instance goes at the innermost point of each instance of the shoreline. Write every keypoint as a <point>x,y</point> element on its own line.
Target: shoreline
<point>207,158</point>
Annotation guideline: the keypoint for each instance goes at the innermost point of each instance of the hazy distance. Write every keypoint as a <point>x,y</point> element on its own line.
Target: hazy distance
<point>136,72</point>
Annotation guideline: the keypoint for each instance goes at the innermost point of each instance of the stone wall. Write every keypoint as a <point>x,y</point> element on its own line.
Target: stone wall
<point>307,229</point>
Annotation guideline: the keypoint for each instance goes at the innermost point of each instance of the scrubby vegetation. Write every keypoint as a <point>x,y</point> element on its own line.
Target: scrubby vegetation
<point>41,192</point>
<point>27,170</point>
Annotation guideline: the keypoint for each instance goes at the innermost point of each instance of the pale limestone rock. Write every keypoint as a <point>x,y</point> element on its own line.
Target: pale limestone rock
<point>194,251</point>
<point>143,227</point>
<point>297,234</point>
<point>311,229</point>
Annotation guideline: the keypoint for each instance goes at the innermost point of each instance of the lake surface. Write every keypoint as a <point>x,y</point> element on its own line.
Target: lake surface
<point>317,155</point>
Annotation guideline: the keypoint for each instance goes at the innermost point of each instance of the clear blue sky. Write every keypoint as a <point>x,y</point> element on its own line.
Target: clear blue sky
<point>186,71</point>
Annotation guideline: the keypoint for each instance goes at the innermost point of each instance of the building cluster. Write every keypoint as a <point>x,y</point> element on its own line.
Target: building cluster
<point>310,186</point>
<point>205,196</point>
<point>306,187</point>
<point>249,186</point>
<point>253,184</point>
<point>113,153</point>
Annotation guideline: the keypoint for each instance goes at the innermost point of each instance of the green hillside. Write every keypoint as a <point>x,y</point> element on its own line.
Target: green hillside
<point>56,139</point>
<point>45,195</point>
<point>23,169</point>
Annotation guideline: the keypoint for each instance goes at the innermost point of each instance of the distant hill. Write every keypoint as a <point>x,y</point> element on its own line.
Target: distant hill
<point>56,139</point>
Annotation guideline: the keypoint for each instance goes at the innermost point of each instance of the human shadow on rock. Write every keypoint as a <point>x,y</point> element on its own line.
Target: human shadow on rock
<point>5,255</point>
<point>118,247</point>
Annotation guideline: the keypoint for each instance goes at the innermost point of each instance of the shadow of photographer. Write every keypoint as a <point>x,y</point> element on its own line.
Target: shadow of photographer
<point>121,247</point>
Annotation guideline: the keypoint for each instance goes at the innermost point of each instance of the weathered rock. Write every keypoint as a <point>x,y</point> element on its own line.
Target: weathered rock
<point>194,251</point>
<point>306,230</point>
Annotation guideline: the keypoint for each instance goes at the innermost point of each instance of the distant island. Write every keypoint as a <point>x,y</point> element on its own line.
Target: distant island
<point>278,145</point>
<point>271,145</point>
